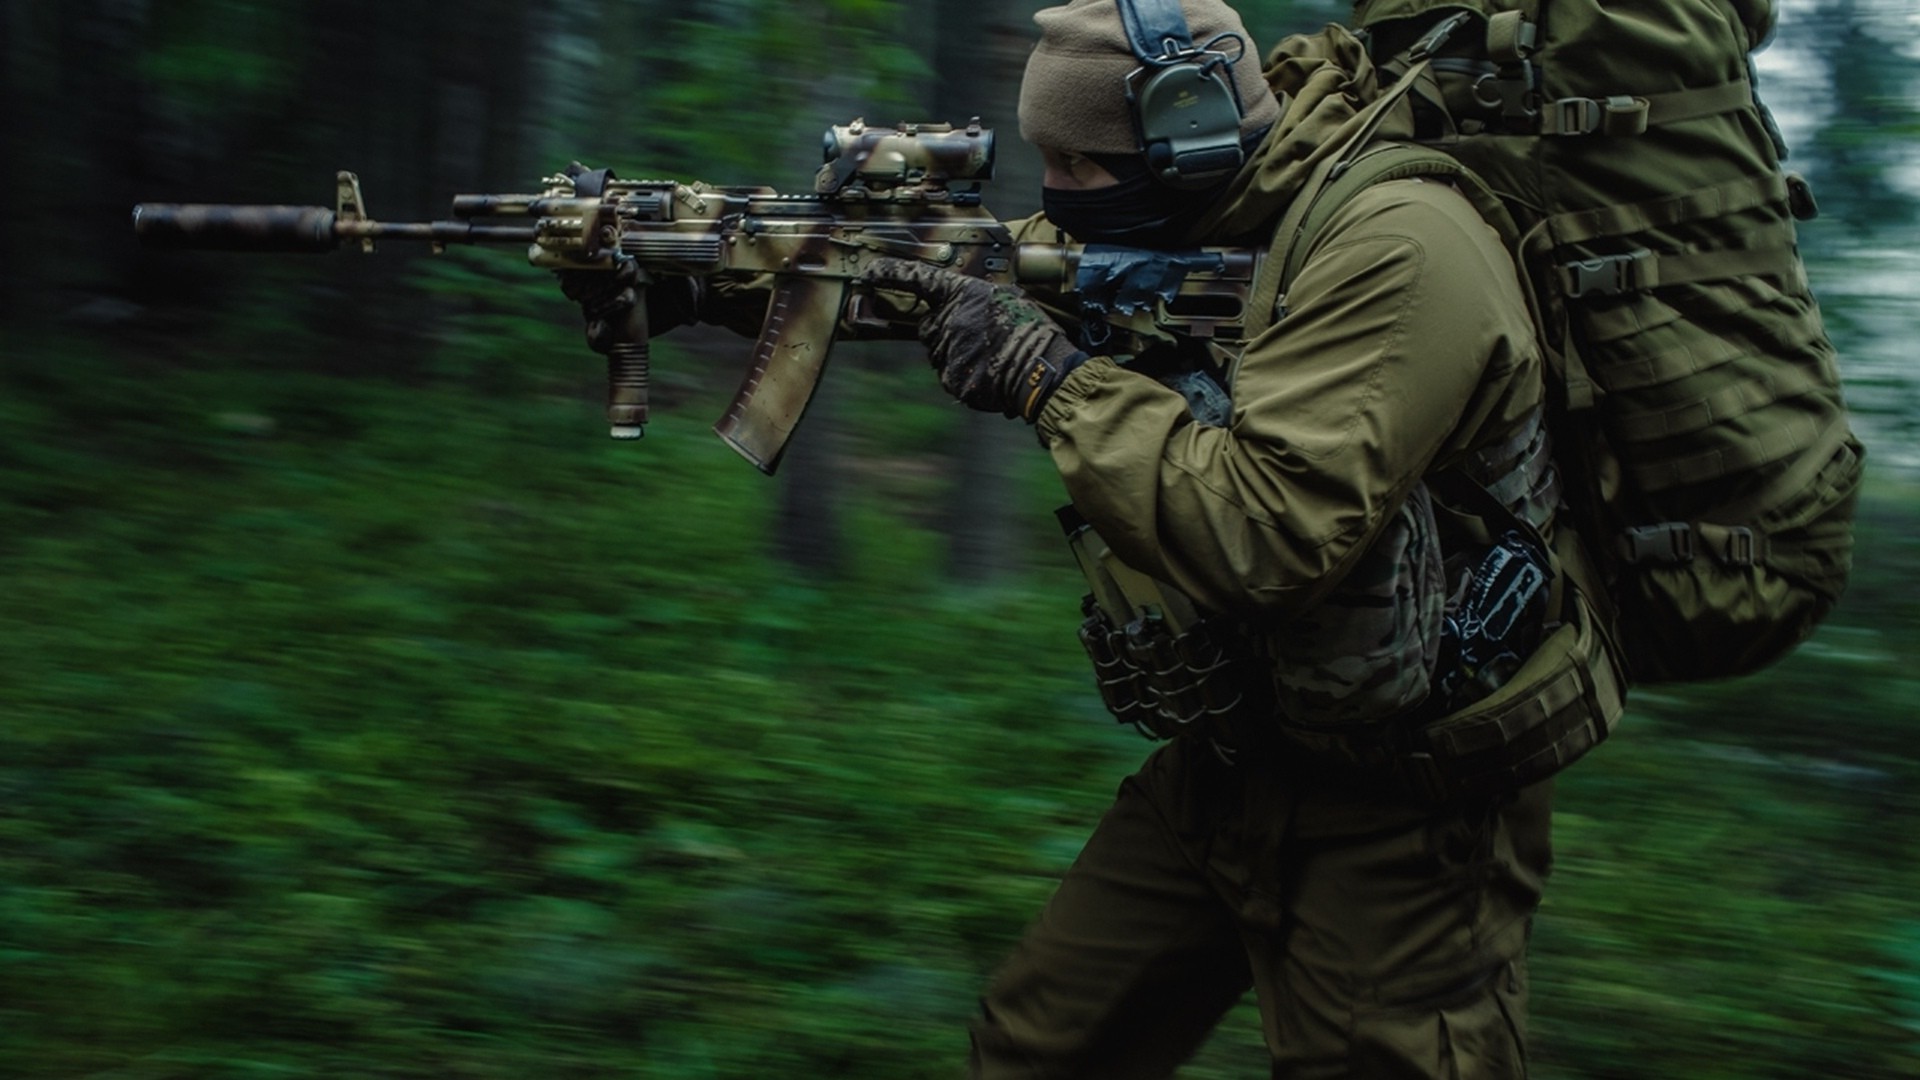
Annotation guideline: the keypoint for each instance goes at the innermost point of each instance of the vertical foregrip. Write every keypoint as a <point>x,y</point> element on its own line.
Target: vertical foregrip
<point>628,373</point>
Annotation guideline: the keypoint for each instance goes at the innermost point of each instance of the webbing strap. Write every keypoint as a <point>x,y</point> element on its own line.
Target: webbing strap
<point>1675,543</point>
<point>1157,30</point>
<point>1732,197</point>
<point>1627,370</point>
<point>1510,37</point>
<point>1743,393</point>
<point>1775,443</point>
<point>1733,545</point>
<point>1292,239</point>
<point>1679,106</point>
<point>1518,471</point>
<point>1798,477</point>
<point>1633,114</point>
<point>1641,270</point>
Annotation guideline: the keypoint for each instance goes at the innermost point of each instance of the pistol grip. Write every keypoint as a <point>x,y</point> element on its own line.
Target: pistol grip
<point>787,363</point>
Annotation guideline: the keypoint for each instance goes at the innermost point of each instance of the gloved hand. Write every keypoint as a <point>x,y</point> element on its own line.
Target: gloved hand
<point>605,298</point>
<point>995,349</point>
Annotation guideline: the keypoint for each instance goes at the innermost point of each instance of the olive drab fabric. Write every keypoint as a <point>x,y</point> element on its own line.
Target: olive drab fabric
<point>1385,941</point>
<point>1407,349</point>
<point>1697,396</point>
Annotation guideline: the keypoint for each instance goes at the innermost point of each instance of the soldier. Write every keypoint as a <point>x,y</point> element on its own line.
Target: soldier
<point>1278,846</point>
<point>1385,935</point>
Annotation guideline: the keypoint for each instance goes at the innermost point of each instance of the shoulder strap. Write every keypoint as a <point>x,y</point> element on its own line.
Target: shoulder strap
<point>1359,164</point>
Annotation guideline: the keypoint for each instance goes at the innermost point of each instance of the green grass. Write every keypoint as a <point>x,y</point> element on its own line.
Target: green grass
<point>350,728</point>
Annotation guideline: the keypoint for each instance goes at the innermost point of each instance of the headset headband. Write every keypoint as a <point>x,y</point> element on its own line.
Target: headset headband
<point>1157,30</point>
<point>1183,97</point>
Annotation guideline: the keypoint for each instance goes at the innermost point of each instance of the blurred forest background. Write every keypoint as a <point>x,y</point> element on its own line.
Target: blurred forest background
<point>364,712</point>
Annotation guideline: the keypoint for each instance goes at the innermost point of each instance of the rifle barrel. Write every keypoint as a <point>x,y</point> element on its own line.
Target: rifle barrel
<point>222,227</point>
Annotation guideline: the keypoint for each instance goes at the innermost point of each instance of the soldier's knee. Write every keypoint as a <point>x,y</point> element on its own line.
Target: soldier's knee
<point>1476,1033</point>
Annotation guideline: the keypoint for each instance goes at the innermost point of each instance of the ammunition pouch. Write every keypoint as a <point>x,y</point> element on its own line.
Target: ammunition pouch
<point>1167,683</point>
<point>1495,674</point>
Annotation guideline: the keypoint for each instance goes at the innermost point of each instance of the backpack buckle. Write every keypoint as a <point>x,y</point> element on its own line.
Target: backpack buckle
<point>1436,39</point>
<point>1668,542</point>
<point>1800,201</point>
<point>1608,275</point>
<point>1741,549</point>
<point>1511,91</point>
<point>1571,116</point>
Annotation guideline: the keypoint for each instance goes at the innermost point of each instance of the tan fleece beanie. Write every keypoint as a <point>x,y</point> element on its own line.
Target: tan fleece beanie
<point>1074,94</point>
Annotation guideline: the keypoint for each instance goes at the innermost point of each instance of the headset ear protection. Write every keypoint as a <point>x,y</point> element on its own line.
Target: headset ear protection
<point>1186,110</point>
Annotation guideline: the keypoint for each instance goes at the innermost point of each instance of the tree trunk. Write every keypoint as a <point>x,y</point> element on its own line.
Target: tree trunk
<point>22,63</point>
<point>979,55</point>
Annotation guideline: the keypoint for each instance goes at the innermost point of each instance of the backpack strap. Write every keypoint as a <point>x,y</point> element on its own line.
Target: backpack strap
<point>1338,179</point>
<point>1298,226</point>
<point>1357,165</point>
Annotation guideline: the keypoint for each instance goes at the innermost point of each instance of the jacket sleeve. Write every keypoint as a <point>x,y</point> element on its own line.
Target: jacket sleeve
<point>1405,341</point>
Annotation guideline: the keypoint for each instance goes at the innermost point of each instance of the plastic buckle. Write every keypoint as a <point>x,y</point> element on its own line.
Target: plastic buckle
<point>1608,275</point>
<point>1572,116</point>
<point>1800,201</point>
<point>1435,39</point>
<point>1667,542</point>
<point>1743,547</point>
<point>1510,90</point>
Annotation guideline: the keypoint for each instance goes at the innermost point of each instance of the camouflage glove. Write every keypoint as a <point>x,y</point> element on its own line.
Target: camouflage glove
<point>995,349</point>
<point>605,298</point>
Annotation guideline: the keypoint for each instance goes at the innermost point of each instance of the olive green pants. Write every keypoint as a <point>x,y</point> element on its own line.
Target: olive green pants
<point>1384,940</point>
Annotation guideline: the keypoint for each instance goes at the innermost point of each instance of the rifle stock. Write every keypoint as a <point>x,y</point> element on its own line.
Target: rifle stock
<point>907,192</point>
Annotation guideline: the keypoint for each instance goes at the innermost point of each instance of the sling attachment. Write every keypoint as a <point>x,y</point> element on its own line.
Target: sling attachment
<point>1514,85</point>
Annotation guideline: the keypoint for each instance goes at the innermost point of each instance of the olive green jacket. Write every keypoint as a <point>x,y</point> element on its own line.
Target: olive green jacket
<point>1405,344</point>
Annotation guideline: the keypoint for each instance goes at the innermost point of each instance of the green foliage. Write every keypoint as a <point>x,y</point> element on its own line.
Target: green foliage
<point>455,742</point>
<point>403,727</point>
<point>729,87</point>
<point>210,55</point>
<point>361,729</point>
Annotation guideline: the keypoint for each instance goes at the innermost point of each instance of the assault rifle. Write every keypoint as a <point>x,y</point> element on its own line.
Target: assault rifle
<point>910,192</point>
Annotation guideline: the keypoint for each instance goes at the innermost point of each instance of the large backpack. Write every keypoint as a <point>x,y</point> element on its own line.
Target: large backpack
<point>1696,402</point>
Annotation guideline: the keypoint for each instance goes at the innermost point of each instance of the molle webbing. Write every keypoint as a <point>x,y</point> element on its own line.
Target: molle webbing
<point>1711,466</point>
<point>1715,201</point>
<point>1736,397</point>
<point>1519,473</point>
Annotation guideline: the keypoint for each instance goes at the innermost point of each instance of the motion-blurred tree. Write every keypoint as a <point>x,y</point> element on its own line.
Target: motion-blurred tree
<point>1872,118</point>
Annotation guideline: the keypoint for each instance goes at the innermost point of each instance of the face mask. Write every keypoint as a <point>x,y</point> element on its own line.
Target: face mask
<point>1136,212</point>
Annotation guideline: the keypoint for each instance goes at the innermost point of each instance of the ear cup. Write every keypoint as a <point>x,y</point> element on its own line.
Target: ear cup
<point>1189,123</point>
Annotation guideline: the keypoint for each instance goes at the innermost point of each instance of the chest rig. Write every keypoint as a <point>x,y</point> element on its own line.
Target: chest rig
<point>1447,604</point>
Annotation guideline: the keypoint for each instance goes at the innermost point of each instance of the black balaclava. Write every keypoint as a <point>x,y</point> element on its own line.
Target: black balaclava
<point>1139,211</point>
